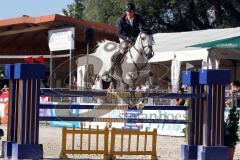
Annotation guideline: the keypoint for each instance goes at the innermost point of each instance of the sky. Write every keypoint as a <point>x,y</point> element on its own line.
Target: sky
<point>33,8</point>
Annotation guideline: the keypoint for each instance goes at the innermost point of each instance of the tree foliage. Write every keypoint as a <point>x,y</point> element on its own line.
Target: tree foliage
<point>75,10</point>
<point>231,128</point>
<point>105,11</point>
<point>164,15</point>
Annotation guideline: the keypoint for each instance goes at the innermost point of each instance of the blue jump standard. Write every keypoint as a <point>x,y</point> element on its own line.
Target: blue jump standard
<point>7,149</point>
<point>7,145</point>
<point>205,109</point>
<point>189,152</point>
<point>27,151</point>
<point>212,153</point>
<point>22,139</point>
<point>215,81</point>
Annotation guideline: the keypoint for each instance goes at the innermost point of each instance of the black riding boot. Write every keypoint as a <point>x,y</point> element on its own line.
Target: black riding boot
<point>116,59</point>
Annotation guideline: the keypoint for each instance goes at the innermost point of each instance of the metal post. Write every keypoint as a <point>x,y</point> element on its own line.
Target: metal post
<point>51,70</point>
<point>87,63</point>
<point>70,69</point>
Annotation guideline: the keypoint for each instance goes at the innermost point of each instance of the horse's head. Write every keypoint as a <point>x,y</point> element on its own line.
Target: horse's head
<point>144,43</point>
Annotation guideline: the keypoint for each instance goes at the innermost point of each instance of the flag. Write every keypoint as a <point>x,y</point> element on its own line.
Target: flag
<point>29,59</point>
<point>189,66</point>
<point>39,59</point>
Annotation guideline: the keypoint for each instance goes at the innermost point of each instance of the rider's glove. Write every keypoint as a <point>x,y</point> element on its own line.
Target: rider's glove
<point>128,39</point>
<point>131,40</point>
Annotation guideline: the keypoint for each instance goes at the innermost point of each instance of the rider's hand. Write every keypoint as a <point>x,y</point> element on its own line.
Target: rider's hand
<point>128,40</point>
<point>131,40</point>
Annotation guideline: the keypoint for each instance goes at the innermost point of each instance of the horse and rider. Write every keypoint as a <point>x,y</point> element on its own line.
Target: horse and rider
<point>128,28</point>
<point>127,61</point>
<point>128,65</point>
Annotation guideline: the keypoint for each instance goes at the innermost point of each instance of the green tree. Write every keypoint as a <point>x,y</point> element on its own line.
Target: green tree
<point>75,10</point>
<point>105,11</point>
<point>163,15</point>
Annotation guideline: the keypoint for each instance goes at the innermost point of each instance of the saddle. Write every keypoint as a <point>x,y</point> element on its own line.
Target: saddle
<point>118,58</point>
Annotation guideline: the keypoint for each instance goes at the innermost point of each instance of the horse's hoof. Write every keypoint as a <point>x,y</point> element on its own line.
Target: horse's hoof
<point>140,106</point>
<point>131,103</point>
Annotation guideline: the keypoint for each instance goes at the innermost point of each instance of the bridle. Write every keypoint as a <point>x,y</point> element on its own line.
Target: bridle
<point>143,53</point>
<point>149,46</point>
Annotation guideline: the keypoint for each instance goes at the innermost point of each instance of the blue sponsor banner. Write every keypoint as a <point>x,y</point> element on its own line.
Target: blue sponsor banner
<point>132,114</point>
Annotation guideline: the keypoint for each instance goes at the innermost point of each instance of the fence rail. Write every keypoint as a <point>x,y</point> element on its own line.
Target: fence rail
<point>112,152</point>
<point>81,132</point>
<point>123,132</point>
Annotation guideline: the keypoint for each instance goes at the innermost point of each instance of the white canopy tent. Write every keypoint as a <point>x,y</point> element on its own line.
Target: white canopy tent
<point>170,45</point>
<point>175,47</point>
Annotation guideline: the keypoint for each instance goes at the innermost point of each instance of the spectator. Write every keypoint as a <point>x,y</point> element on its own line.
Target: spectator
<point>3,81</point>
<point>180,101</point>
<point>234,87</point>
<point>74,82</point>
<point>5,88</point>
<point>1,133</point>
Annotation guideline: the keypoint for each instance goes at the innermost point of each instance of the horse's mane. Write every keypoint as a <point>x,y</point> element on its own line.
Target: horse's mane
<point>101,44</point>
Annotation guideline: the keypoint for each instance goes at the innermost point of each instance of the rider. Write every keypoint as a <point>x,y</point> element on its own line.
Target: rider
<point>128,29</point>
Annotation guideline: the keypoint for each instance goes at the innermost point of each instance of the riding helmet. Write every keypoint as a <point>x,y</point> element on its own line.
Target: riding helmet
<point>130,6</point>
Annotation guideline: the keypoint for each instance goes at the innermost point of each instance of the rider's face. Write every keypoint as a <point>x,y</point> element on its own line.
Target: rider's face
<point>130,13</point>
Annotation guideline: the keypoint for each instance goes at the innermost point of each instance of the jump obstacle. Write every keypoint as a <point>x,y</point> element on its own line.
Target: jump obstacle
<point>130,133</point>
<point>72,145</point>
<point>74,150</point>
<point>205,112</point>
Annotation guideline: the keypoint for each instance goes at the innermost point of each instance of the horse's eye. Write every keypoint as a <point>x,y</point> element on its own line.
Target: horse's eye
<point>143,38</point>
